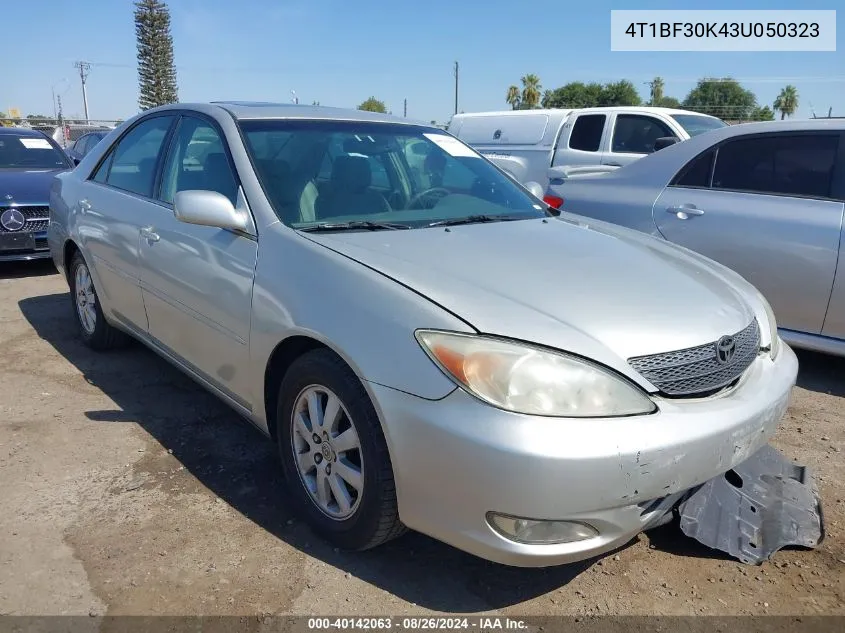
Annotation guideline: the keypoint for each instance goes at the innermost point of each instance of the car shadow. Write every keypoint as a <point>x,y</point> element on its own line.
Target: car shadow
<point>822,373</point>
<point>239,465</point>
<point>34,268</point>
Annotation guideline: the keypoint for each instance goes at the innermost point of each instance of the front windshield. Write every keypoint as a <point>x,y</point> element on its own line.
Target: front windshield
<point>319,172</point>
<point>34,152</point>
<point>696,124</point>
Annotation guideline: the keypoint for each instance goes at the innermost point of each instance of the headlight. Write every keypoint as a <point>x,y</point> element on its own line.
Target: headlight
<point>774,347</point>
<point>529,380</point>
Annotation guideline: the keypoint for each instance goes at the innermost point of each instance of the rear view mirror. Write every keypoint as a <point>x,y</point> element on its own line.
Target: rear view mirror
<point>208,208</point>
<point>665,141</point>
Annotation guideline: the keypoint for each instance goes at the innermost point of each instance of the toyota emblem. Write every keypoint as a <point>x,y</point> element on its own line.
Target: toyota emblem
<point>497,134</point>
<point>12,220</point>
<point>725,349</point>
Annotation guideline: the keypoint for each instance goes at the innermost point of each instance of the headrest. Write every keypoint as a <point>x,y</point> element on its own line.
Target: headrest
<point>351,172</point>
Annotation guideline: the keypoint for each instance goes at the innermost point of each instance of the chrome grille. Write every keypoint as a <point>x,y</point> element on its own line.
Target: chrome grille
<point>37,219</point>
<point>697,370</point>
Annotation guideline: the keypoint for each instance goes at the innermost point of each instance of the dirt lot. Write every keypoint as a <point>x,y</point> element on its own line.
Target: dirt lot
<point>128,490</point>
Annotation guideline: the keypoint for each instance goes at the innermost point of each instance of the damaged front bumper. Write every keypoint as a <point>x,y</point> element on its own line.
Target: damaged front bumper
<point>760,506</point>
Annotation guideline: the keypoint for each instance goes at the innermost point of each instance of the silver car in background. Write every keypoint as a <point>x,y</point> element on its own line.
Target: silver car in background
<point>450,359</point>
<point>765,199</point>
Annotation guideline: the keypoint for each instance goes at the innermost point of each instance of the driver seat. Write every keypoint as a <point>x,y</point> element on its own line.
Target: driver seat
<point>349,190</point>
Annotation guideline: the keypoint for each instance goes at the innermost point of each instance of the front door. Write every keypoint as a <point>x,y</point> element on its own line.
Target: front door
<point>632,137</point>
<point>196,280</point>
<point>761,205</point>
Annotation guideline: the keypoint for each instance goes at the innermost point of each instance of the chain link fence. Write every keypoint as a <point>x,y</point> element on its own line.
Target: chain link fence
<point>64,131</point>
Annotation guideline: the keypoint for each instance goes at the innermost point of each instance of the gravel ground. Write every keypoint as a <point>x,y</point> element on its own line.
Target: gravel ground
<point>128,490</point>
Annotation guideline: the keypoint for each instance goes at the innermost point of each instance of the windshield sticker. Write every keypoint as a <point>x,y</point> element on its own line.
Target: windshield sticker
<point>451,146</point>
<point>36,143</point>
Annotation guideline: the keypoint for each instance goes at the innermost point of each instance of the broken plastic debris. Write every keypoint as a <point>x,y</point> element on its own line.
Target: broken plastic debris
<point>762,505</point>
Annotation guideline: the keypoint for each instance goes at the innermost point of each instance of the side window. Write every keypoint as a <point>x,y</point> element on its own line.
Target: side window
<point>197,160</point>
<point>102,172</point>
<point>697,172</point>
<point>587,132</point>
<point>636,133</point>
<point>797,164</point>
<point>133,164</point>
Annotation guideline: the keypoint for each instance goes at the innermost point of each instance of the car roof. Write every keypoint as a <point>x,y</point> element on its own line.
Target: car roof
<point>21,131</point>
<point>597,109</point>
<point>250,110</point>
<point>655,167</point>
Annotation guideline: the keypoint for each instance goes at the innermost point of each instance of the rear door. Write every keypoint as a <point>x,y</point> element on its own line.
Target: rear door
<point>115,202</point>
<point>581,140</point>
<point>764,205</point>
<point>632,136</point>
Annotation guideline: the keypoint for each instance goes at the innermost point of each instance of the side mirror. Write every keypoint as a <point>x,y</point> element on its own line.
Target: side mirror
<point>76,160</point>
<point>665,141</point>
<point>208,208</point>
<point>535,188</point>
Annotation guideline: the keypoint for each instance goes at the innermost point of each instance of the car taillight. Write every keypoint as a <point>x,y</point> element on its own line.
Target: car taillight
<point>553,201</point>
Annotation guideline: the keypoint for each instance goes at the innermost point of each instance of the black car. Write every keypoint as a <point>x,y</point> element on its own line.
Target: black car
<point>29,160</point>
<point>85,144</point>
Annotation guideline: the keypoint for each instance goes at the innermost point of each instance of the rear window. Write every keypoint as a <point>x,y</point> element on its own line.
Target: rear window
<point>587,132</point>
<point>695,124</point>
<point>522,129</point>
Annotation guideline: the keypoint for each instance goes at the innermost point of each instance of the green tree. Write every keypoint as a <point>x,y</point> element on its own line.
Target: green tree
<point>530,91</point>
<point>373,105</point>
<point>574,95</point>
<point>621,93</point>
<point>156,70</point>
<point>668,102</point>
<point>787,102</point>
<point>763,114</point>
<point>657,86</point>
<point>724,98</point>
<point>513,97</point>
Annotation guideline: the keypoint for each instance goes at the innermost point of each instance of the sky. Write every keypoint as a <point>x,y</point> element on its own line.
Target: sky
<point>340,52</point>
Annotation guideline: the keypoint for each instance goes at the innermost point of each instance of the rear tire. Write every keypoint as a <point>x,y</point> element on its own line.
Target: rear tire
<point>336,466</point>
<point>95,331</point>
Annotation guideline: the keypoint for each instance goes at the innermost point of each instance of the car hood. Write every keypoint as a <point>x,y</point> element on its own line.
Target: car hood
<point>607,293</point>
<point>26,186</point>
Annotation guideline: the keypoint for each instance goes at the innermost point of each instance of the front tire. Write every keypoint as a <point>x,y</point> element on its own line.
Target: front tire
<point>334,455</point>
<point>95,331</point>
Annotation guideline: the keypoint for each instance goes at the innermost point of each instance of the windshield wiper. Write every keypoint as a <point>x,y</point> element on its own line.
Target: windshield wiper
<point>476,219</point>
<point>354,226</point>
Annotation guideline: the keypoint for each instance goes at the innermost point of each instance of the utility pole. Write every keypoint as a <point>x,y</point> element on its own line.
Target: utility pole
<point>84,68</point>
<point>456,87</point>
<point>406,109</point>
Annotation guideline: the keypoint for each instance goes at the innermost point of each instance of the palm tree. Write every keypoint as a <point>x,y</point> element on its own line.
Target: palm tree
<point>531,91</point>
<point>787,102</point>
<point>657,86</point>
<point>513,97</point>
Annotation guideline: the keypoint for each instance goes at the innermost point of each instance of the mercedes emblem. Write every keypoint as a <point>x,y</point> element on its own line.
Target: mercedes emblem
<point>12,220</point>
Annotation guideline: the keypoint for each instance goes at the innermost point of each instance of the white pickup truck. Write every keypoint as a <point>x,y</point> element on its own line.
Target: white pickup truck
<point>541,146</point>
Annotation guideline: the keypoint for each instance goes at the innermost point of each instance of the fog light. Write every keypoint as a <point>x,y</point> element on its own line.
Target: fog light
<point>540,532</point>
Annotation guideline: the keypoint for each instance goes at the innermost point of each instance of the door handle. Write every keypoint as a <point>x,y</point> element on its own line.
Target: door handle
<point>683,211</point>
<point>614,164</point>
<point>84,205</point>
<point>148,234</point>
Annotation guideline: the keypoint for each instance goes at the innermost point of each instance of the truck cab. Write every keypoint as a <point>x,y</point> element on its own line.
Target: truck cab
<point>544,145</point>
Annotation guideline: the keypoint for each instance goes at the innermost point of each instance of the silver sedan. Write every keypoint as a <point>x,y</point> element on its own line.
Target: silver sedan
<point>765,199</point>
<point>428,347</point>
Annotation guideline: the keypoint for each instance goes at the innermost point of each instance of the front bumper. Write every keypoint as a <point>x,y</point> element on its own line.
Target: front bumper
<point>457,459</point>
<point>34,247</point>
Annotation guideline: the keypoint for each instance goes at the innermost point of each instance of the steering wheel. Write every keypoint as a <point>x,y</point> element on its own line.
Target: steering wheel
<point>436,192</point>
